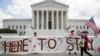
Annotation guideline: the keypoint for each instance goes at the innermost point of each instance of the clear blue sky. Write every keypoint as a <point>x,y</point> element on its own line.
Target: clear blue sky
<point>4,4</point>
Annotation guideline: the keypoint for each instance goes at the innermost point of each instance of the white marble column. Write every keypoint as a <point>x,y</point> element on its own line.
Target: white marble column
<point>33,19</point>
<point>37,19</point>
<point>62,18</point>
<point>57,19</point>
<point>47,19</point>
<point>52,19</point>
<point>66,19</point>
<point>42,19</point>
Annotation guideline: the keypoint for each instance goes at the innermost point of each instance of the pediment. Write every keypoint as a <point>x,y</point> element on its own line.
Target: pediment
<point>49,4</point>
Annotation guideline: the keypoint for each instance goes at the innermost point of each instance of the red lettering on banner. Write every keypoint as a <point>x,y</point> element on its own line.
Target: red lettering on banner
<point>6,46</point>
<point>15,46</point>
<point>54,44</point>
<point>91,44</point>
<point>20,42</point>
<point>41,39</point>
<point>70,44</point>
<point>22,45</point>
<point>25,44</point>
<point>77,43</point>
<point>98,49</point>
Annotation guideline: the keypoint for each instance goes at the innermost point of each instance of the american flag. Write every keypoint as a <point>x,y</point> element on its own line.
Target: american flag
<point>90,23</point>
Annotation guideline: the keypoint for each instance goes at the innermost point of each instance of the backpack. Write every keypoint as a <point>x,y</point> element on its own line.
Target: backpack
<point>81,43</point>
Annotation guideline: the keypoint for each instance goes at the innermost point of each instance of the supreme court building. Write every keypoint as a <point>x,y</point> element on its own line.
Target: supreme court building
<point>49,18</point>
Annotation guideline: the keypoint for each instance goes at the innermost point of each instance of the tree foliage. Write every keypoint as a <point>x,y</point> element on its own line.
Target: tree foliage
<point>7,31</point>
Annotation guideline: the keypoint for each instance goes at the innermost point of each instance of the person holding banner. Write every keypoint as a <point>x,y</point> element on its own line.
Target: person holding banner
<point>84,43</point>
<point>72,36</point>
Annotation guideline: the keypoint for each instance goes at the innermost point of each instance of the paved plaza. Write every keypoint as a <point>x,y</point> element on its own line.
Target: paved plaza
<point>46,54</point>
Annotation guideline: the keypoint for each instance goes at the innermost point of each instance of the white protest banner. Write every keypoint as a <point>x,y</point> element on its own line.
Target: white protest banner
<point>44,44</point>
